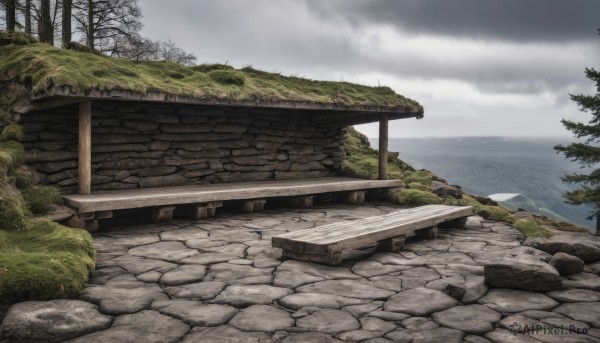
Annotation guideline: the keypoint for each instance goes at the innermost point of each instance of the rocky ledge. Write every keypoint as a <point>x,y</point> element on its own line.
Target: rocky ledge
<point>219,280</point>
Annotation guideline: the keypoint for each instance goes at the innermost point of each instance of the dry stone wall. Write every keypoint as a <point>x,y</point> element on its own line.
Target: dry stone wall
<point>140,145</point>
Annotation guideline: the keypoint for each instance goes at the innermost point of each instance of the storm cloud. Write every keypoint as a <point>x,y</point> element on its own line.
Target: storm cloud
<point>501,68</point>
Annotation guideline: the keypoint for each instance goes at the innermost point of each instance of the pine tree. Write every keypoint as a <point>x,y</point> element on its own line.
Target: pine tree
<point>587,152</point>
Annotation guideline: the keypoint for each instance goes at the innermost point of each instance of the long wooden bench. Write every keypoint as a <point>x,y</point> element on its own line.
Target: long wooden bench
<point>326,244</point>
<point>204,199</point>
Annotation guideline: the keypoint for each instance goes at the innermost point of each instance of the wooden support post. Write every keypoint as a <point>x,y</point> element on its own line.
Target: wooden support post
<point>428,232</point>
<point>162,214</point>
<point>301,202</point>
<point>354,197</point>
<point>85,147</point>
<point>205,210</point>
<point>458,223</point>
<point>393,244</point>
<point>254,205</point>
<point>383,146</point>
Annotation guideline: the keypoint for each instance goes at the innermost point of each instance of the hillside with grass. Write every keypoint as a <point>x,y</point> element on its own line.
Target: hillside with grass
<point>39,259</point>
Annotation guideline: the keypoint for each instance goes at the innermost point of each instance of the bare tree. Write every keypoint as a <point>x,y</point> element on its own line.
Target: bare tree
<point>46,32</point>
<point>27,16</point>
<point>10,7</point>
<point>143,49</point>
<point>67,6</point>
<point>105,22</point>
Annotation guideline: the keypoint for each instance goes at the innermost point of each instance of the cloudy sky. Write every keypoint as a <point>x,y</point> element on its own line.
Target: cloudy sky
<point>480,68</point>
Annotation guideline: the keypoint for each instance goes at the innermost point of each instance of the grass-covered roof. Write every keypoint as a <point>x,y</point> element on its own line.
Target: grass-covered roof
<point>44,68</point>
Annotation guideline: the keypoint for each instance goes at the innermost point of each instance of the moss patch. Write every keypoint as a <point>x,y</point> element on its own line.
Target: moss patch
<point>421,176</point>
<point>362,161</point>
<point>44,262</point>
<point>41,198</point>
<point>415,197</point>
<point>419,186</point>
<point>12,154</point>
<point>12,132</point>
<point>530,228</point>
<point>42,66</point>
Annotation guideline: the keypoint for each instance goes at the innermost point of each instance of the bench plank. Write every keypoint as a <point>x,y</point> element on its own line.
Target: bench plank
<point>163,196</point>
<point>337,237</point>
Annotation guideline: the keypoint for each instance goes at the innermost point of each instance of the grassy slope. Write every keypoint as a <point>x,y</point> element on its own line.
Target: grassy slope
<point>41,66</point>
<point>39,259</point>
<point>362,162</point>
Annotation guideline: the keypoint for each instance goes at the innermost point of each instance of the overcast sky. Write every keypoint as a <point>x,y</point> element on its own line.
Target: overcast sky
<point>479,68</point>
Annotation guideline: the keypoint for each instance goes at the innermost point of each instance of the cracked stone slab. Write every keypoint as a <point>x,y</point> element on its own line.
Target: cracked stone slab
<point>182,275</point>
<point>512,300</point>
<point>209,258</point>
<point>196,313</point>
<point>201,290</point>
<point>297,301</point>
<point>52,321</point>
<point>436,335</point>
<point>574,295</point>
<point>588,312</point>
<point>329,321</point>
<point>171,251</point>
<point>240,274</point>
<point>293,279</point>
<point>376,324</point>
<point>505,336</point>
<point>372,268</point>
<point>235,249</point>
<point>359,289</point>
<point>262,318</point>
<point>183,234</point>
<point>224,333</point>
<point>246,295</point>
<point>327,272</point>
<point>116,300</point>
<point>145,326</point>
<point>138,265</point>
<point>472,319</point>
<point>419,323</point>
<point>419,301</point>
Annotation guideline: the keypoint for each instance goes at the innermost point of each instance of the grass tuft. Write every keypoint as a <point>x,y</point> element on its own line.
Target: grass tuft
<point>530,228</point>
<point>12,132</point>
<point>228,77</point>
<point>415,197</point>
<point>41,198</point>
<point>419,186</point>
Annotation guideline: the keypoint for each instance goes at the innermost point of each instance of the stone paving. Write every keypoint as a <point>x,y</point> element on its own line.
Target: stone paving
<point>219,280</point>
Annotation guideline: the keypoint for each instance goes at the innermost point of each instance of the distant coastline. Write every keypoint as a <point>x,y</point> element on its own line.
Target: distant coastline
<point>491,165</point>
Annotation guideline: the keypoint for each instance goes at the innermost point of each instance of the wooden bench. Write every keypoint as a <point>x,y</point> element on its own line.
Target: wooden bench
<point>204,199</point>
<point>326,244</point>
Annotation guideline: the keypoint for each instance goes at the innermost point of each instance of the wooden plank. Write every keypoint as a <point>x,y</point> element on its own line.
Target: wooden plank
<point>333,259</point>
<point>355,234</point>
<point>85,147</point>
<point>383,147</point>
<point>145,197</point>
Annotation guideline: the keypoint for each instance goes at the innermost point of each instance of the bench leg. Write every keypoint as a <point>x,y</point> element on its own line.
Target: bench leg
<point>333,259</point>
<point>83,223</point>
<point>301,202</point>
<point>459,223</point>
<point>205,210</point>
<point>354,197</point>
<point>162,214</point>
<point>393,244</point>
<point>254,205</point>
<point>428,232</point>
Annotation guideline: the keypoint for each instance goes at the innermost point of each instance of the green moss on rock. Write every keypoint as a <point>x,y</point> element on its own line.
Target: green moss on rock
<point>13,211</point>
<point>41,198</point>
<point>12,154</point>
<point>421,176</point>
<point>44,262</point>
<point>419,186</point>
<point>530,228</point>
<point>415,197</point>
<point>12,132</point>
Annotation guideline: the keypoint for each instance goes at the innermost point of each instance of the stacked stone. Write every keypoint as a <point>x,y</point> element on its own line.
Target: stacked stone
<point>138,146</point>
